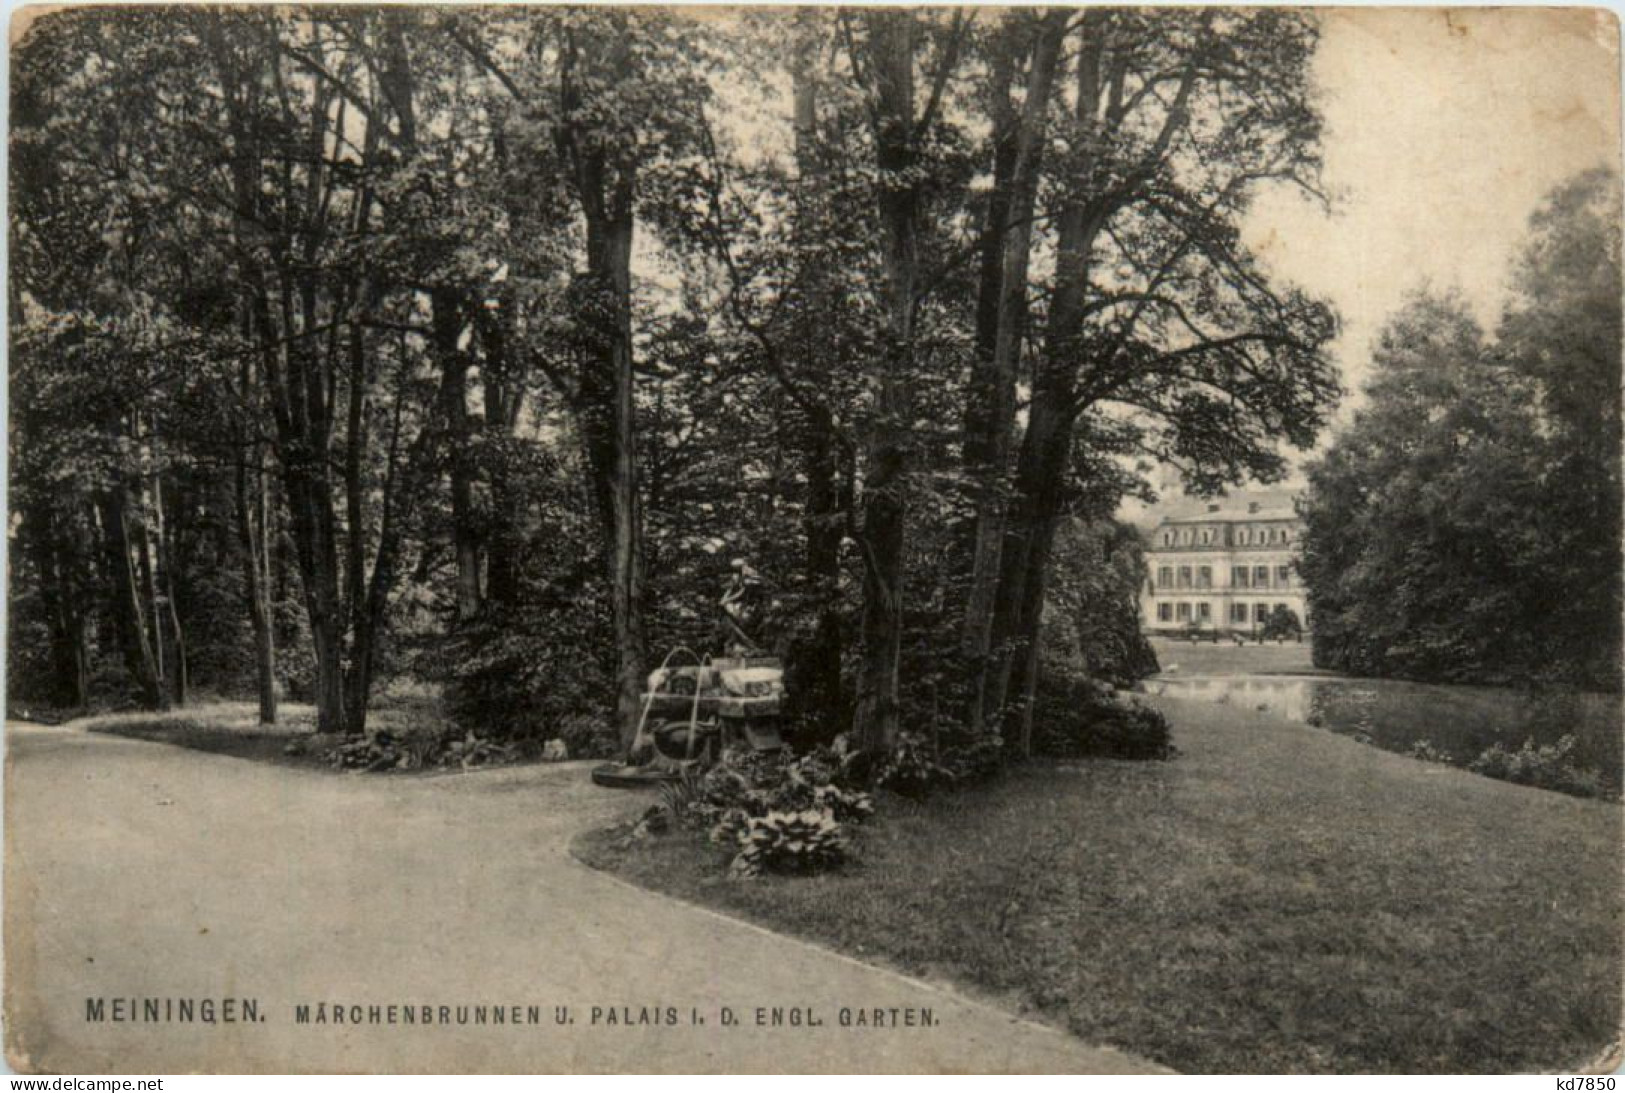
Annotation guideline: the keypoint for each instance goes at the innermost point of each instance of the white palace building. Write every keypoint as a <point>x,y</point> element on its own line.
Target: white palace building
<point>1224,569</point>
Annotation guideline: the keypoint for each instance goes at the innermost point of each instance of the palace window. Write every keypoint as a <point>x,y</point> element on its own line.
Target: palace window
<point>1184,612</point>
<point>1283,576</point>
<point>1204,576</point>
<point>1238,576</point>
<point>1261,576</point>
<point>1165,576</point>
<point>1238,612</point>
<point>1241,536</point>
<point>1261,612</point>
<point>1207,536</point>
<point>1204,611</point>
<point>1165,612</point>
<point>1184,576</point>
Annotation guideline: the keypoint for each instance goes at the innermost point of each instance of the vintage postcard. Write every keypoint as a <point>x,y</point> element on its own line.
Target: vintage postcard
<point>813,539</point>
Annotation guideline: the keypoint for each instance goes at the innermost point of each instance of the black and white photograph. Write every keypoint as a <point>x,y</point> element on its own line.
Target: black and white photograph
<point>621,539</point>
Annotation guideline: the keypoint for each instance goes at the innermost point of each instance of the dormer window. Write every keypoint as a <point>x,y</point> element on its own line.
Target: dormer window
<point>1167,538</point>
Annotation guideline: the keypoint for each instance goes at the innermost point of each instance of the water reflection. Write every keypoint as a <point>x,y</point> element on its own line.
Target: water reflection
<point>1287,696</point>
<point>1454,723</point>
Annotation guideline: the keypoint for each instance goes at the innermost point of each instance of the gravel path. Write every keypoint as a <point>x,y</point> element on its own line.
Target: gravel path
<point>140,871</point>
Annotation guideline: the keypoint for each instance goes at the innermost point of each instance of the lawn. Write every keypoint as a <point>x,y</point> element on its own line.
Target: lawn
<point>227,728</point>
<point>1276,899</point>
<point>233,728</point>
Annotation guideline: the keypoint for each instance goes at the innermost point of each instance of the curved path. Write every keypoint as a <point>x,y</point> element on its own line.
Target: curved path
<point>140,870</point>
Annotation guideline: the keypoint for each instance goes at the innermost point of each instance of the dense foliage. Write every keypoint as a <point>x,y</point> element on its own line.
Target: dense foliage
<point>772,813</point>
<point>473,344</point>
<point>1080,718</point>
<point>1093,620</point>
<point>1467,525</point>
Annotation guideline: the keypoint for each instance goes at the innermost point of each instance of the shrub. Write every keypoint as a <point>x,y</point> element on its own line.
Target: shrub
<point>414,750</point>
<point>780,781</point>
<point>385,750</point>
<point>1548,767</point>
<point>680,796</point>
<point>731,828</point>
<point>808,841</point>
<point>774,811</point>
<point>974,760</point>
<point>473,751</point>
<point>1425,750</point>
<point>917,766</point>
<point>913,769</point>
<point>587,736</point>
<point>1076,717</point>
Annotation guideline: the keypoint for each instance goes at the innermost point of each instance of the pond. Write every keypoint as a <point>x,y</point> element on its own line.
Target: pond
<point>1455,723</point>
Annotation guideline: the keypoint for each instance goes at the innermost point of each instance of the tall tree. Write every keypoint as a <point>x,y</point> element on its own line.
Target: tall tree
<point>1161,331</point>
<point>886,48</point>
<point>1018,138</point>
<point>1447,528</point>
<point>610,108</point>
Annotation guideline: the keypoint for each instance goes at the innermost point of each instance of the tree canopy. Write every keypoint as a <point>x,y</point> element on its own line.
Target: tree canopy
<point>1467,526</point>
<point>473,344</point>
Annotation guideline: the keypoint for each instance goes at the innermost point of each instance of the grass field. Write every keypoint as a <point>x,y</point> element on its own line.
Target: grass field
<point>233,728</point>
<point>227,728</point>
<point>1276,899</point>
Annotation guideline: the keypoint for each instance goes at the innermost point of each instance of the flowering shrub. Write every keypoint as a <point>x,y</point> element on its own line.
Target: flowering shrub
<point>1551,766</point>
<point>1429,752</point>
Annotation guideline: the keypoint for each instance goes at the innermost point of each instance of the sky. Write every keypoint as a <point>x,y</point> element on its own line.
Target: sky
<point>1443,131</point>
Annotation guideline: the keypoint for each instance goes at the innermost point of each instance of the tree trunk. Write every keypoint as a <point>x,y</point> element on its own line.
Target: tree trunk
<point>609,266</point>
<point>254,545</point>
<point>990,417</point>
<point>818,684</point>
<point>180,680</point>
<point>1047,446</point>
<point>281,313</point>
<point>149,577</point>
<point>606,413</point>
<point>55,557</point>
<point>454,363</point>
<point>885,511</point>
<point>310,503</point>
<point>815,688</point>
<point>503,398</point>
<point>124,592</point>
